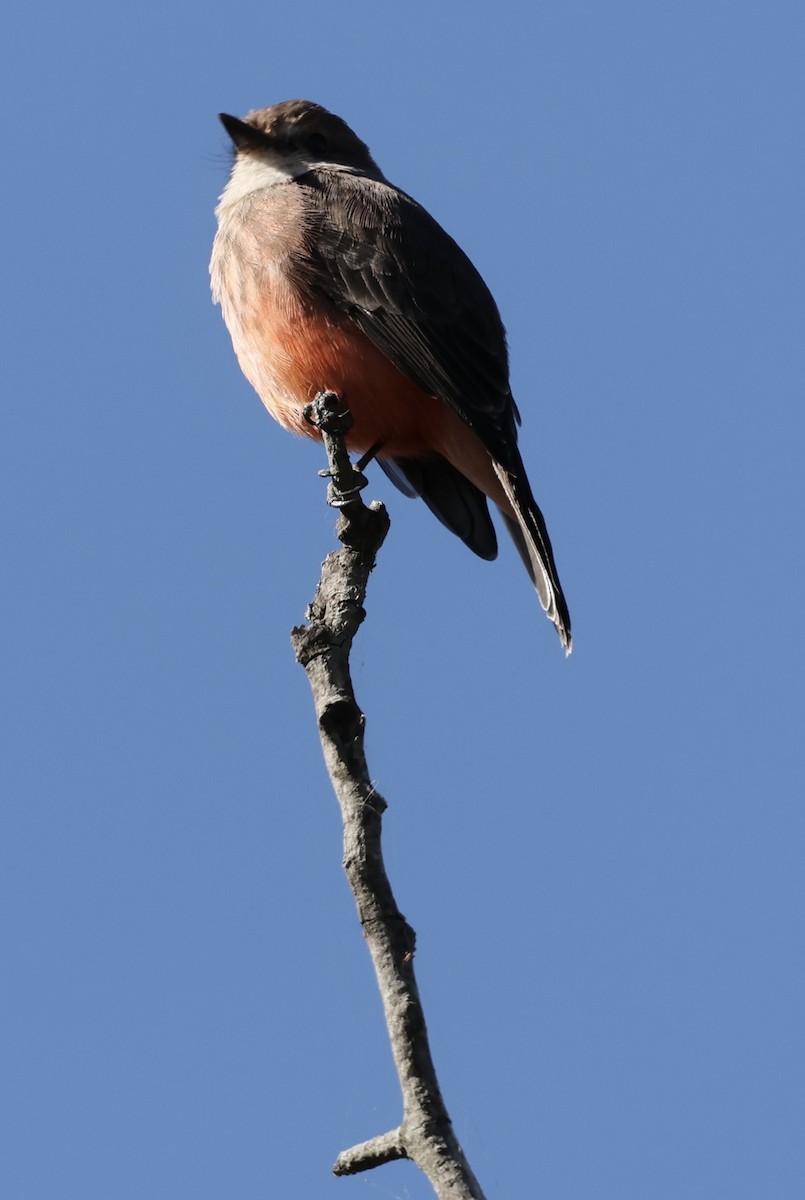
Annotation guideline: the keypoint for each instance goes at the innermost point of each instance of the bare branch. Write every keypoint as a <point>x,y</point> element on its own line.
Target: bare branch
<point>322,647</point>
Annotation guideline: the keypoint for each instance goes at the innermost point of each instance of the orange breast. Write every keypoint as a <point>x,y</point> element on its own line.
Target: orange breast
<point>290,352</point>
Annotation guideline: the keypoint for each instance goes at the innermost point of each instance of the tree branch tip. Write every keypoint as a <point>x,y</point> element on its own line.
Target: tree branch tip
<point>386,1148</point>
<point>329,413</point>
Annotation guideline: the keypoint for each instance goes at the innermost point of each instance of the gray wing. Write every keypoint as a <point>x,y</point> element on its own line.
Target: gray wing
<point>378,256</point>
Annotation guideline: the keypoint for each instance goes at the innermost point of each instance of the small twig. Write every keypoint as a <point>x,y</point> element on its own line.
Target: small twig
<point>322,647</point>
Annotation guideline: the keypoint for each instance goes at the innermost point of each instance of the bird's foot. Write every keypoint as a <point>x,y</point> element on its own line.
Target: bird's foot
<point>330,415</point>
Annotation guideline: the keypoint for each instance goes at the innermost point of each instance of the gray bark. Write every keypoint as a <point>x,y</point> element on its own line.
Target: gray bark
<point>322,646</point>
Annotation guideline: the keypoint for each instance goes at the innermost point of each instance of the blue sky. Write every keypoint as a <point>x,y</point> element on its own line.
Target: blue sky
<point>603,857</point>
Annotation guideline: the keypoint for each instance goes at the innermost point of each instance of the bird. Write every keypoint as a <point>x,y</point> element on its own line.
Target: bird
<point>331,278</point>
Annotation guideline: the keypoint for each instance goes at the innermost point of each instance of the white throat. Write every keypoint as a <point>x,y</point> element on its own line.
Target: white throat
<point>251,173</point>
<point>256,173</point>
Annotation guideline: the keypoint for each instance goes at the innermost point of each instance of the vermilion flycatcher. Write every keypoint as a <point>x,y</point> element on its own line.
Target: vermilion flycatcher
<point>332,279</point>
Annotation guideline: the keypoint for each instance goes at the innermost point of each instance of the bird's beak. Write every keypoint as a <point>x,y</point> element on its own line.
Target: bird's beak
<point>244,136</point>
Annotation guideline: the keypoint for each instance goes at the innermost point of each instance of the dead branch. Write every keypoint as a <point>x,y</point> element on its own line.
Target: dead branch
<point>322,647</point>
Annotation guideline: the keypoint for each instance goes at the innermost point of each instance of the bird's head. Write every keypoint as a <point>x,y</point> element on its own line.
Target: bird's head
<point>288,140</point>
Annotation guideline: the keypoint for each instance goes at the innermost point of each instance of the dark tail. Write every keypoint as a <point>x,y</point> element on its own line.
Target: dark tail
<point>462,507</point>
<point>530,535</point>
<point>449,495</point>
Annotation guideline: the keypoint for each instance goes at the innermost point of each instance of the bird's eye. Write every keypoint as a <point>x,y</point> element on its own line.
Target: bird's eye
<point>316,143</point>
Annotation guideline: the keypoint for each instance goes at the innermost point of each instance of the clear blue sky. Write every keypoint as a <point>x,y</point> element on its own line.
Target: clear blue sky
<point>603,857</point>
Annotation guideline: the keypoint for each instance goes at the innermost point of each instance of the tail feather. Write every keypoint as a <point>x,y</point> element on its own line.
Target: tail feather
<point>530,535</point>
<point>462,507</point>
<point>449,495</point>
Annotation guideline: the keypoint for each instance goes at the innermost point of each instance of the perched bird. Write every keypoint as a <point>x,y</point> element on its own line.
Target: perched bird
<point>331,278</point>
